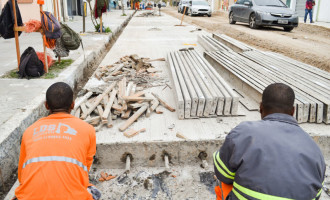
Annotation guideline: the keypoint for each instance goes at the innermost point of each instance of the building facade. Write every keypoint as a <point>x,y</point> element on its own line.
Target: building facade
<point>320,11</point>
<point>30,9</point>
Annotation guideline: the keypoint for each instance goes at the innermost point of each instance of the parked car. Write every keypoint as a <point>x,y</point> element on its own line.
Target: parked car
<point>199,7</point>
<point>182,4</point>
<point>263,13</point>
<point>163,4</point>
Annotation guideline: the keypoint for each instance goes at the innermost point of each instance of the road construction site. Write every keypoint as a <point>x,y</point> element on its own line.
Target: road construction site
<point>164,98</point>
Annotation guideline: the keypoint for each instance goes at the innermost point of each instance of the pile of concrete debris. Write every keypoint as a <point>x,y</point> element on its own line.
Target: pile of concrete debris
<point>125,98</point>
<point>147,14</point>
<point>134,68</point>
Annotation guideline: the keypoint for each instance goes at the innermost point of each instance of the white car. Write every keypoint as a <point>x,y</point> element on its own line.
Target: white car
<point>183,4</point>
<point>198,7</point>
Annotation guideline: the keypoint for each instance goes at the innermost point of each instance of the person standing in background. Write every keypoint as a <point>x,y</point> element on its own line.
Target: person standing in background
<point>309,10</point>
<point>115,4</point>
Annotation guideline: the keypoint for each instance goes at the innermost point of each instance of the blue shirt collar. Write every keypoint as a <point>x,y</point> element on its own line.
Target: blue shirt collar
<point>281,118</point>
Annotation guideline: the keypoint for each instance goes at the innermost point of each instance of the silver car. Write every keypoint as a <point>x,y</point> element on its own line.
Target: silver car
<point>263,13</point>
<point>199,7</point>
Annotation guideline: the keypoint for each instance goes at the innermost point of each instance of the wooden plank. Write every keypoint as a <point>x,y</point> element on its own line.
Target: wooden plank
<point>105,100</point>
<point>83,99</point>
<point>83,108</point>
<point>129,88</point>
<point>94,120</point>
<point>163,103</point>
<point>183,86</point>
<point>177,90</point>
<point>133,89</point>
<point>133,118</point>
<point>100,110</point>
<point>132,98</point>
<point>109,121</point>
<point>117,108</point>
<point>107,109</point>
<point>98,100</point>
<point>138,94</point>
<point>132,132</point>
<point>126,114</point>
<point>77,113</point>
<point>154,105</point>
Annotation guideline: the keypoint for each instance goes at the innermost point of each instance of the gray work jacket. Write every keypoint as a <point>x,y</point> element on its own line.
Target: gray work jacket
<point>270,159</point>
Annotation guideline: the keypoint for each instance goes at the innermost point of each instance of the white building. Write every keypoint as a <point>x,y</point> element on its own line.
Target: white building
<point>30,9</point>
<point>321,10</point>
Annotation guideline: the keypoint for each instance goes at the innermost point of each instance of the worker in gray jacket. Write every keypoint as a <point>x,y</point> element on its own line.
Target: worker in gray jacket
<point>270,159</point>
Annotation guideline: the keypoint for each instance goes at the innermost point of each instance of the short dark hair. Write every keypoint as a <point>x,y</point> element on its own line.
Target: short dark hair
<point>59,96</point>
<point>278,97</point>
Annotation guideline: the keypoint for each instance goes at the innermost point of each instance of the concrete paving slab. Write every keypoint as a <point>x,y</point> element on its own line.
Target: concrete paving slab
<point>138,38</point>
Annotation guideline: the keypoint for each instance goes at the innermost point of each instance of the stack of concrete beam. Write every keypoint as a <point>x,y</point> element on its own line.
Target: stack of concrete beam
<point>200,90</point>
<point>253,71</point>
<point>211,44</point>
<point>235,45</point>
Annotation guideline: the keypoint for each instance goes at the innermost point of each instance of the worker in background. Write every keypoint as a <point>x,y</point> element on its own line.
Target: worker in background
<point>272,158</point>
<point>57,153</point>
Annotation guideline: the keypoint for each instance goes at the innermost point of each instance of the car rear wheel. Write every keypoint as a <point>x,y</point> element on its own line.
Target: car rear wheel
<point>288,29</point>
<point>209,15</point>
<point>252,21</point>
<point>231,18</point>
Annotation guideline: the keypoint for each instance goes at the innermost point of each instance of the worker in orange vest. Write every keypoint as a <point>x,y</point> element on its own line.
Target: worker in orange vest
<point>57,153</point>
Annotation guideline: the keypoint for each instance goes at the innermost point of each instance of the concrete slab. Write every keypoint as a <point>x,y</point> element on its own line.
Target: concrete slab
<point>140,38</point>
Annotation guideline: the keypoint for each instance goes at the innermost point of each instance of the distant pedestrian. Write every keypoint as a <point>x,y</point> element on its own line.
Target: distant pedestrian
<point>127,4</point>
<point>115,4</point>
<point>309,10</point>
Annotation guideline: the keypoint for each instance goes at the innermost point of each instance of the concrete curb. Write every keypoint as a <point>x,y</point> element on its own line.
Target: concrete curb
<point>12,130</point>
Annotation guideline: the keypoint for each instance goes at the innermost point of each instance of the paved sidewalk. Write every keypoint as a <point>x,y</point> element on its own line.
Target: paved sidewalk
<point>18,93</point>
<point>323,24</point>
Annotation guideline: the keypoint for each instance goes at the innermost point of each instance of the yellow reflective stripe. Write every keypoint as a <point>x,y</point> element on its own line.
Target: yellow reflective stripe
<point>219,168</point>
<point>258,195</point>
<point>238,195</point>
<point>223,165</point>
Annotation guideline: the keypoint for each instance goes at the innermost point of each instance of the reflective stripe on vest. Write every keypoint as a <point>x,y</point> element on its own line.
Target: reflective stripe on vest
<point>259,195</point>
<point>226,172</point>
<point>55,158</point>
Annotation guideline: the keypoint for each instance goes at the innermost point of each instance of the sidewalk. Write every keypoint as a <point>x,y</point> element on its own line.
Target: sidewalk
<point>11,89</point>
<point>21,101</point>
<point>323,24</point>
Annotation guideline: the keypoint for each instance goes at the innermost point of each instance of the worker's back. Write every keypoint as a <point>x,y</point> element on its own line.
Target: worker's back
<point>272,157</point>
<point>56,153</point>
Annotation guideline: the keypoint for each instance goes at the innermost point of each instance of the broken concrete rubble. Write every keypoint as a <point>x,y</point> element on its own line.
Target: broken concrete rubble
<point>124,98</point>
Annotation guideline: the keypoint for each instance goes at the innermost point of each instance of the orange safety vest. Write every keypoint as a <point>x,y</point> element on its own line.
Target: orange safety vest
<point>56,154</point>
